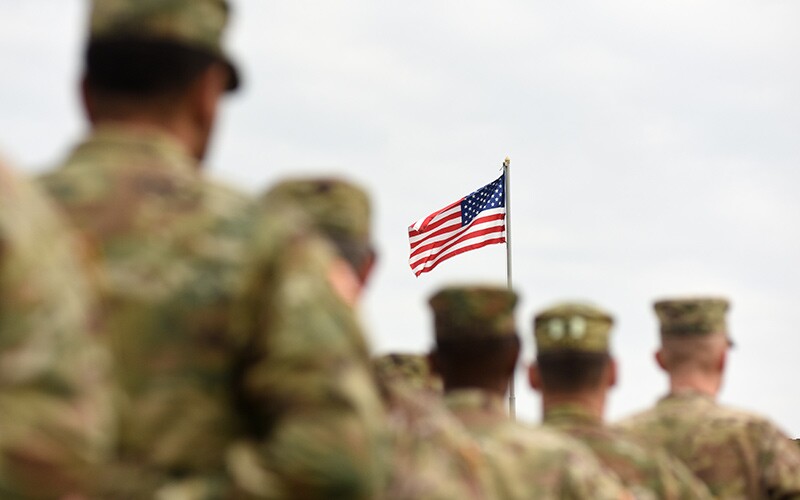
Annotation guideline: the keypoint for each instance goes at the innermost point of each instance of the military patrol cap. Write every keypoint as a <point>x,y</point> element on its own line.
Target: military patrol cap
<point>572,326</point>
<point>473,312</point>
<point>340,209</point>
<point>692,316</point>
<point>197,24</point>
<point>410,369</point>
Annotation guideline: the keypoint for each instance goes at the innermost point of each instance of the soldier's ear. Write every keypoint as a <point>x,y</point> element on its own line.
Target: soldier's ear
<point>612,372</point>
<point>534,377</point>
<point>660,359</point>
<point>722,360</point>
<point>205,92</point>
<point>365,270</point>
<point>87,101</point>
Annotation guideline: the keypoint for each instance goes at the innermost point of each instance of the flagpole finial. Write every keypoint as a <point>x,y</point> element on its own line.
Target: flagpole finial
<point>507,162</point>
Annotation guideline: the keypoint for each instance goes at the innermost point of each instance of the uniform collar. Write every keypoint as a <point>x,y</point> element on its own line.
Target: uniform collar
<point>137,145</point>
<point>686,395</point>
<point>567,412</point>
<point>470,399</point>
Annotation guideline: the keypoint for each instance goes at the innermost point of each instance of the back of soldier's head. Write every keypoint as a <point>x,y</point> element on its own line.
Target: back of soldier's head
<point>148,48</point>
<point>408,370</point>
<point>339,209</point>
<point>572,343</point>
<point>693,332</point>
<point>475,331</point>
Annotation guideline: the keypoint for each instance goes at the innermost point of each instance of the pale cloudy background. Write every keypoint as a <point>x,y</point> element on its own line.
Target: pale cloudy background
<point>654,150</point>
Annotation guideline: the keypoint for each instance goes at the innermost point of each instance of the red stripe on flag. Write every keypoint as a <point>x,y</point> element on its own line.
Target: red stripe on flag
<point>459,251</point>
<point>475,233</point>
<point>425,223</point>
<point>416,249</point>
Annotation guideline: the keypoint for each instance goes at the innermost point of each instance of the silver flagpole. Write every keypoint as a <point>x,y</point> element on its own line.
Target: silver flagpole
<point>512,399</point>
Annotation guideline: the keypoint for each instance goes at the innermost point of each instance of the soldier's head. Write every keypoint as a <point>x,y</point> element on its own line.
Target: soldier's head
<point>476,340</point>
<point>408,370</point>
<point>572,345</point>
<point>339,209</point>
<point>158,63</point>
<point>694,336</point>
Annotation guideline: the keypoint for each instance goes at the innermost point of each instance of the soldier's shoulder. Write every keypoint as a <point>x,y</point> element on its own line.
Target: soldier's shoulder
<point>228,203</point>
<point>640,418</point>
<point>731,419</point>
<point>544,441</point>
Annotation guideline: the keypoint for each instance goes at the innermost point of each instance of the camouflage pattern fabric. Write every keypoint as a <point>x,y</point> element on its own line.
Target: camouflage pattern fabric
<point>412,370</point>
<point>340,209</point>
<point>737,454</point>
<point>198,24</point>
<point>693,316</point>
<point>572,327</point>
<point>55,390</point>
<point>433,456</point>
<point>225,327</point>
<point>528,462</point>
<point>473,311</point>
<point>647,472</point>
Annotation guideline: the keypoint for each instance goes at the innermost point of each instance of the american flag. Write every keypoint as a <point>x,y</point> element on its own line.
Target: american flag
<point>474,221</point>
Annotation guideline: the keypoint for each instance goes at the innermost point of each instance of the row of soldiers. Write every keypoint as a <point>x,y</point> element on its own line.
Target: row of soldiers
<point>164,336</point>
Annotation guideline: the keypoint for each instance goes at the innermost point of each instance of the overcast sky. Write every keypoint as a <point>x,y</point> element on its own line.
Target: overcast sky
<point>654,150</point>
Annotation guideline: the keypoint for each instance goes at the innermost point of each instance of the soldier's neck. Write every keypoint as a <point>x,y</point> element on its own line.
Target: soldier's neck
<point>682,382</point>
<point>497,387</point>
<point>180,130</point>
<point>592,402</point>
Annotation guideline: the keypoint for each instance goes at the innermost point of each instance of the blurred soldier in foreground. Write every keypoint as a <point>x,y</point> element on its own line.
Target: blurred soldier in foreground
<point>207,301</point>
<point>476,351</point>
<point>55,401</point>
<point>574,372</point>
<point>432,456</point>
<point>737,454</point>
<point>340,212</point>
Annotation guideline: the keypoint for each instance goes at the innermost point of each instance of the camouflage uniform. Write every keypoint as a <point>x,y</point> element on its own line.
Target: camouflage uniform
<point>431,455</point>
<point>530,462</point>
<point>55,392</point>
<point>737,454</point>
<point>340,211</point>
<point>234,349</point>
<point>412,370</point>
<point>524,462</point>
<point>647,472</point>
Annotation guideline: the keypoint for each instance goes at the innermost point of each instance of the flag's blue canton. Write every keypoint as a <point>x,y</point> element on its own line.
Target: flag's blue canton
<point>489,196</point>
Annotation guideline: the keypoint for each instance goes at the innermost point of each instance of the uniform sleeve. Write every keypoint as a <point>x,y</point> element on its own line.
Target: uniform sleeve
<point>306,379</point>
<point>587,478</point>
<point>779,462</point>
<point>55,392</point>
<point>677,480</point>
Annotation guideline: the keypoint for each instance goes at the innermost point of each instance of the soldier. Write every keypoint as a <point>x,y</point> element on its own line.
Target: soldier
<point>574,372</point>
<point>412,370</point>
<point>340,210</point>
<point>737,454</point>
<point>207,299</point>
<point>55,391</point>
<point>476,352</point>
<point>432,455</point>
